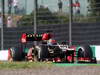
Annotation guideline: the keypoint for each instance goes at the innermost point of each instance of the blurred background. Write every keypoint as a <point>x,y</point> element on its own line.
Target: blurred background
<point>38,16</point>
<point>54,10</point>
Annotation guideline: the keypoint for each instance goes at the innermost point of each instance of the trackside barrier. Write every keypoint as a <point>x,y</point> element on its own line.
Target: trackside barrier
<point>4,55</point>
<point>97,52</point>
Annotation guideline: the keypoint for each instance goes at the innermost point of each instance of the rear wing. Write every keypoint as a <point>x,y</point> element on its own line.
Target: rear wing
<point>34,37</point>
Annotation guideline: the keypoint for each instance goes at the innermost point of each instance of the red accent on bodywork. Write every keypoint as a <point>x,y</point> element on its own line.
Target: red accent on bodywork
<point>23,38</point>
<point>9,54</point>
<point>57,59</point>
<point>46,36</point>
<point>83,58</point>
<point>29,54</point>
<point>69,56</point>
<point>74,47</point>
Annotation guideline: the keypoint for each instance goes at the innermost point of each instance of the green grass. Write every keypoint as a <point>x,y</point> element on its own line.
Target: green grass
<point>23,65</point>
<point>36,65</point>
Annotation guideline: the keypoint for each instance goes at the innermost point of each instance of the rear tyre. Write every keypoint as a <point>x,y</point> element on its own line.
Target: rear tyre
<point>17,53</point>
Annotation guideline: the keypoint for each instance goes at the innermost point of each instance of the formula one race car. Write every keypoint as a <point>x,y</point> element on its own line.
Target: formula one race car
<point>50,50</point>
<point>60,53</point>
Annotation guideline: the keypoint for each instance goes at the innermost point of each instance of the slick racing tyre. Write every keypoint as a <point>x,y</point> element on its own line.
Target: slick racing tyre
<point>17,53</point>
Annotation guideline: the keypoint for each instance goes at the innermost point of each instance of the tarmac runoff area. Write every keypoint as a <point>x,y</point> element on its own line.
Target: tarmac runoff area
<point>59,69</point>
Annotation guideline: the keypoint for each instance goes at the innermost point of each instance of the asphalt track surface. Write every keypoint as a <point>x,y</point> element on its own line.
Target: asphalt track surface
<point>62,69</point>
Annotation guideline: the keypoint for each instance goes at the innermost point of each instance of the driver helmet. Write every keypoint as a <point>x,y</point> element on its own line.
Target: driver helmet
<point>52,41</point>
